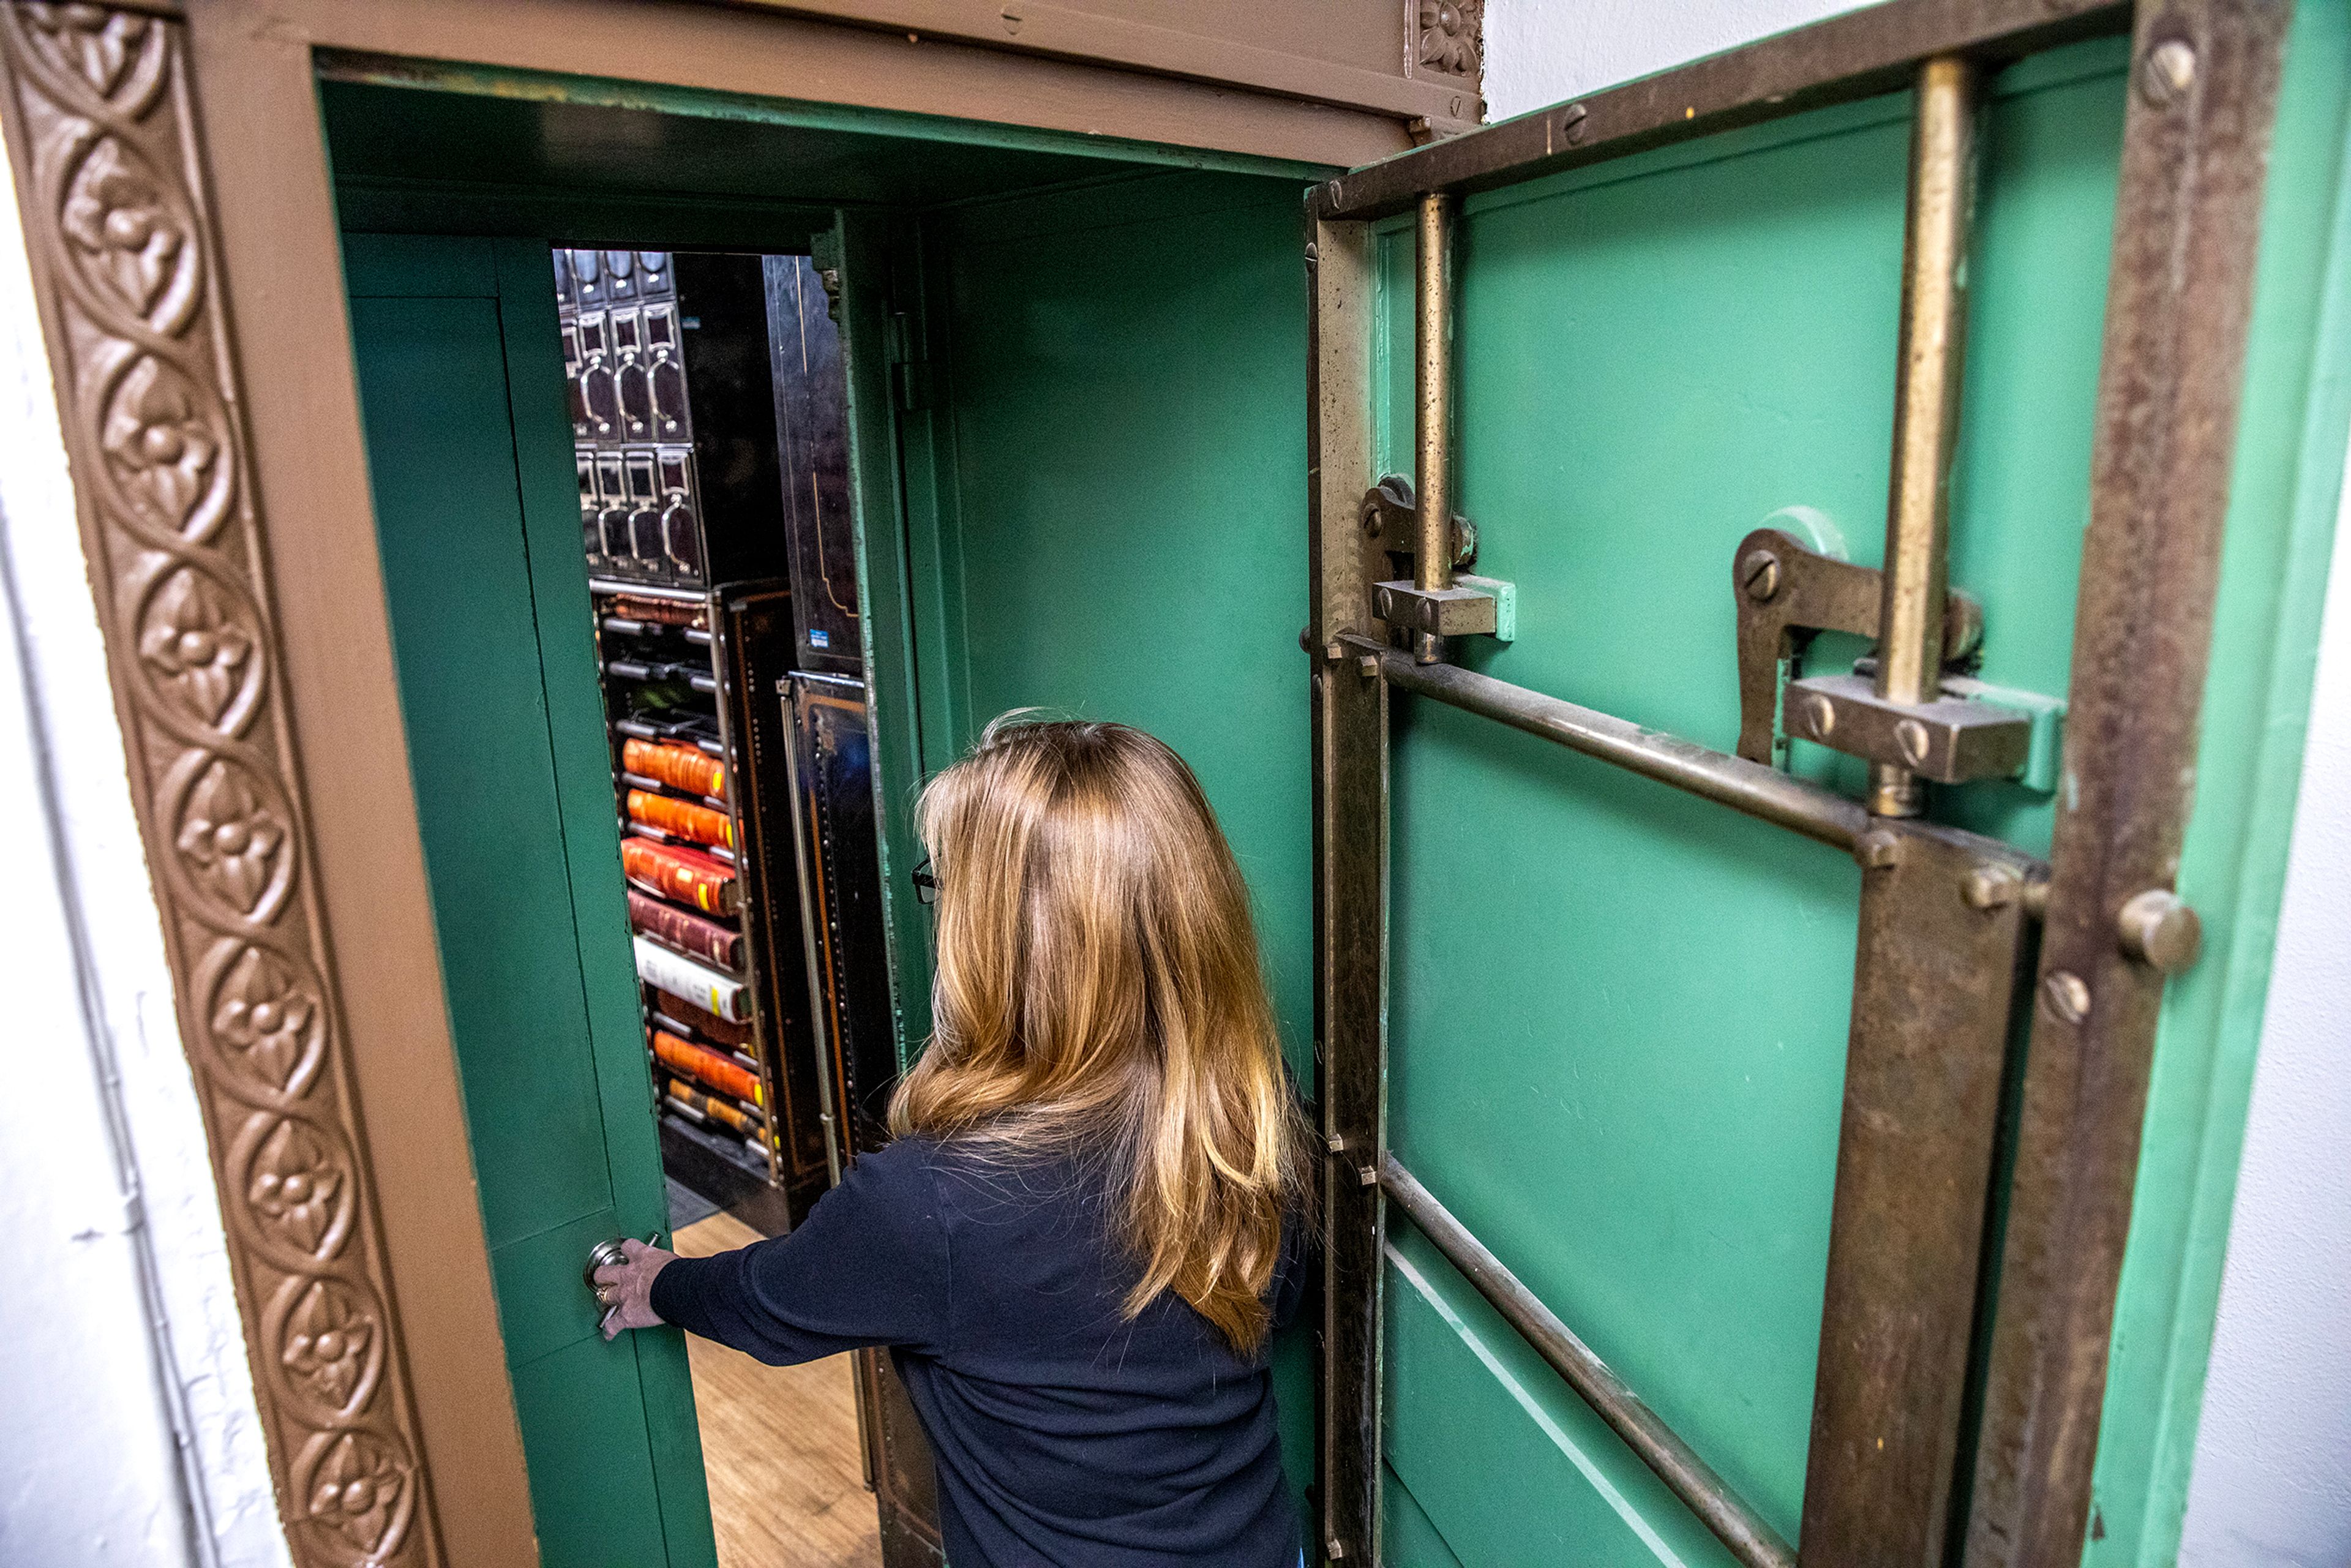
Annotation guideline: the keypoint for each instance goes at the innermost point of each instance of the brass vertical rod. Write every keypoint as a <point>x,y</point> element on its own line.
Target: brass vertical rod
<point>1926,407</point>
<point>1433,400</point>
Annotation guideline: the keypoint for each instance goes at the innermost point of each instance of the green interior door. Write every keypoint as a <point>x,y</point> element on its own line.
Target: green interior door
<point>1101,497</point>
<point>461,383</point>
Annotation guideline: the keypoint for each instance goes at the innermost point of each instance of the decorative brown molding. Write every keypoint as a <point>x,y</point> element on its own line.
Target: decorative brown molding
<point>1448,39</point>
<point>101,135</point>
<point>1187,40</point>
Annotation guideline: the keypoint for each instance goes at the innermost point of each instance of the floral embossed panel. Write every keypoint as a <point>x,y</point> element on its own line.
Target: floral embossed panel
<point>98,110</point>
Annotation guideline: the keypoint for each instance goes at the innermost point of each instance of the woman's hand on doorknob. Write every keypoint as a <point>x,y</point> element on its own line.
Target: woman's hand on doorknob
<point>626,1289</point>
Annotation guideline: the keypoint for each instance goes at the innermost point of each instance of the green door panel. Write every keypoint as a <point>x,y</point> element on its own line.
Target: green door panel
<point>1408,1539</point>
<point>433,378</point>
<point>461,379</point>
<point>1469,1401</point>
<point>587,1426</point>
<point>1618,1014</point>
<point>1618,1021</point>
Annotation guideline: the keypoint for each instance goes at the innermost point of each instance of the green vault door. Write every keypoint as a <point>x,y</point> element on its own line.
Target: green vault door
<point>1733,1155</point>
<point>460,378</point>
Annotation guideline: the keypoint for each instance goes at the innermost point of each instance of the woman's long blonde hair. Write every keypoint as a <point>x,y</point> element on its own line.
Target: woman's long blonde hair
<point>1098,990</point>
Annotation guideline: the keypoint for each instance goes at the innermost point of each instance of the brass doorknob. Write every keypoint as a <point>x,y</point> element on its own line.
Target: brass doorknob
<point>608,1254</point>
<point>603,1255</point>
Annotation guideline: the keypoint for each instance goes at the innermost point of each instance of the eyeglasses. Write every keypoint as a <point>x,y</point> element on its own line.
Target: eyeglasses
<point>926,882</point>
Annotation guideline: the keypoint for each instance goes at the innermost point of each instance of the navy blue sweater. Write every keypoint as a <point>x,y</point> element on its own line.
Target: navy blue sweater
<point>1064,1434</point>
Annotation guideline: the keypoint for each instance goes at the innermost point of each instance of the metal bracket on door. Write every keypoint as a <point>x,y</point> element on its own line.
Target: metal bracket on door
<point>1787,594</point>
<point>1391,516</point>
<point>1479,606</point>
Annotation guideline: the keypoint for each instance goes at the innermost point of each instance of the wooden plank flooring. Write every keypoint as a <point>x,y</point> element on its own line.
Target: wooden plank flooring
<point>787,1486</point>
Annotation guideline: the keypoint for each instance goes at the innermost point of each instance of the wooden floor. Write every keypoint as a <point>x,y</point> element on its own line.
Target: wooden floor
<point>787,1486</point>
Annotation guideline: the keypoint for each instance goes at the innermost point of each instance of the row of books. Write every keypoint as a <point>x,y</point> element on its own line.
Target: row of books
<point>678,851</point>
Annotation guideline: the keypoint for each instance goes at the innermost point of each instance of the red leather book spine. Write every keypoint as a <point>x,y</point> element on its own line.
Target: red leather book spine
<point>683,1014</point>
<point>688,932</point>
<point>684,874</point>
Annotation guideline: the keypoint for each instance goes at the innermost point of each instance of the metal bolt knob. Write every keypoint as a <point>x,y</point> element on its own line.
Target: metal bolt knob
<point>1877,849</point>
<point>1758,573</point>
<point>2159,931</point>
<point>1992,887</point>
<point>603,1255</point>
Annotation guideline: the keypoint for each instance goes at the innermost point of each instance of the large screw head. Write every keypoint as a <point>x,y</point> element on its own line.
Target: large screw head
<point>1574,123</point>
<point>2159,931</point>
<point>2167,72</point>
<point>1383,601</point>
<point>1758,573</point>
<point>1910,736</point>
<point>2066,996</point>
<point>1819,714</point>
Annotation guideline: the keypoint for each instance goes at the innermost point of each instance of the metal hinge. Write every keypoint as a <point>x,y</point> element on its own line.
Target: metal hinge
<point>911,383</point>
<point>1391,516</point>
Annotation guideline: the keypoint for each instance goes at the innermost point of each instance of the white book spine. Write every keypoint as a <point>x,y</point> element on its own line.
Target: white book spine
<point>681,977</point>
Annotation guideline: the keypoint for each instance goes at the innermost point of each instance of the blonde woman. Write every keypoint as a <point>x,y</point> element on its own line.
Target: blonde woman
<point>1089,1222</point>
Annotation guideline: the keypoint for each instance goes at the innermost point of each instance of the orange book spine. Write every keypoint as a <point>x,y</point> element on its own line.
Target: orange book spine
<point>687,875</point>
<point>682,767</point>
<point>707,1067</point>
<point>721,1111</point>
<point>683,819</point>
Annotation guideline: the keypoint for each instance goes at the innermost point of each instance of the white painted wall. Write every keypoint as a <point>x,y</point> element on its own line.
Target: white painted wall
<point>2271,1487</point>
<point>2271,1483</point>
<point>1542,52</point>
<point>127,1431</point>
